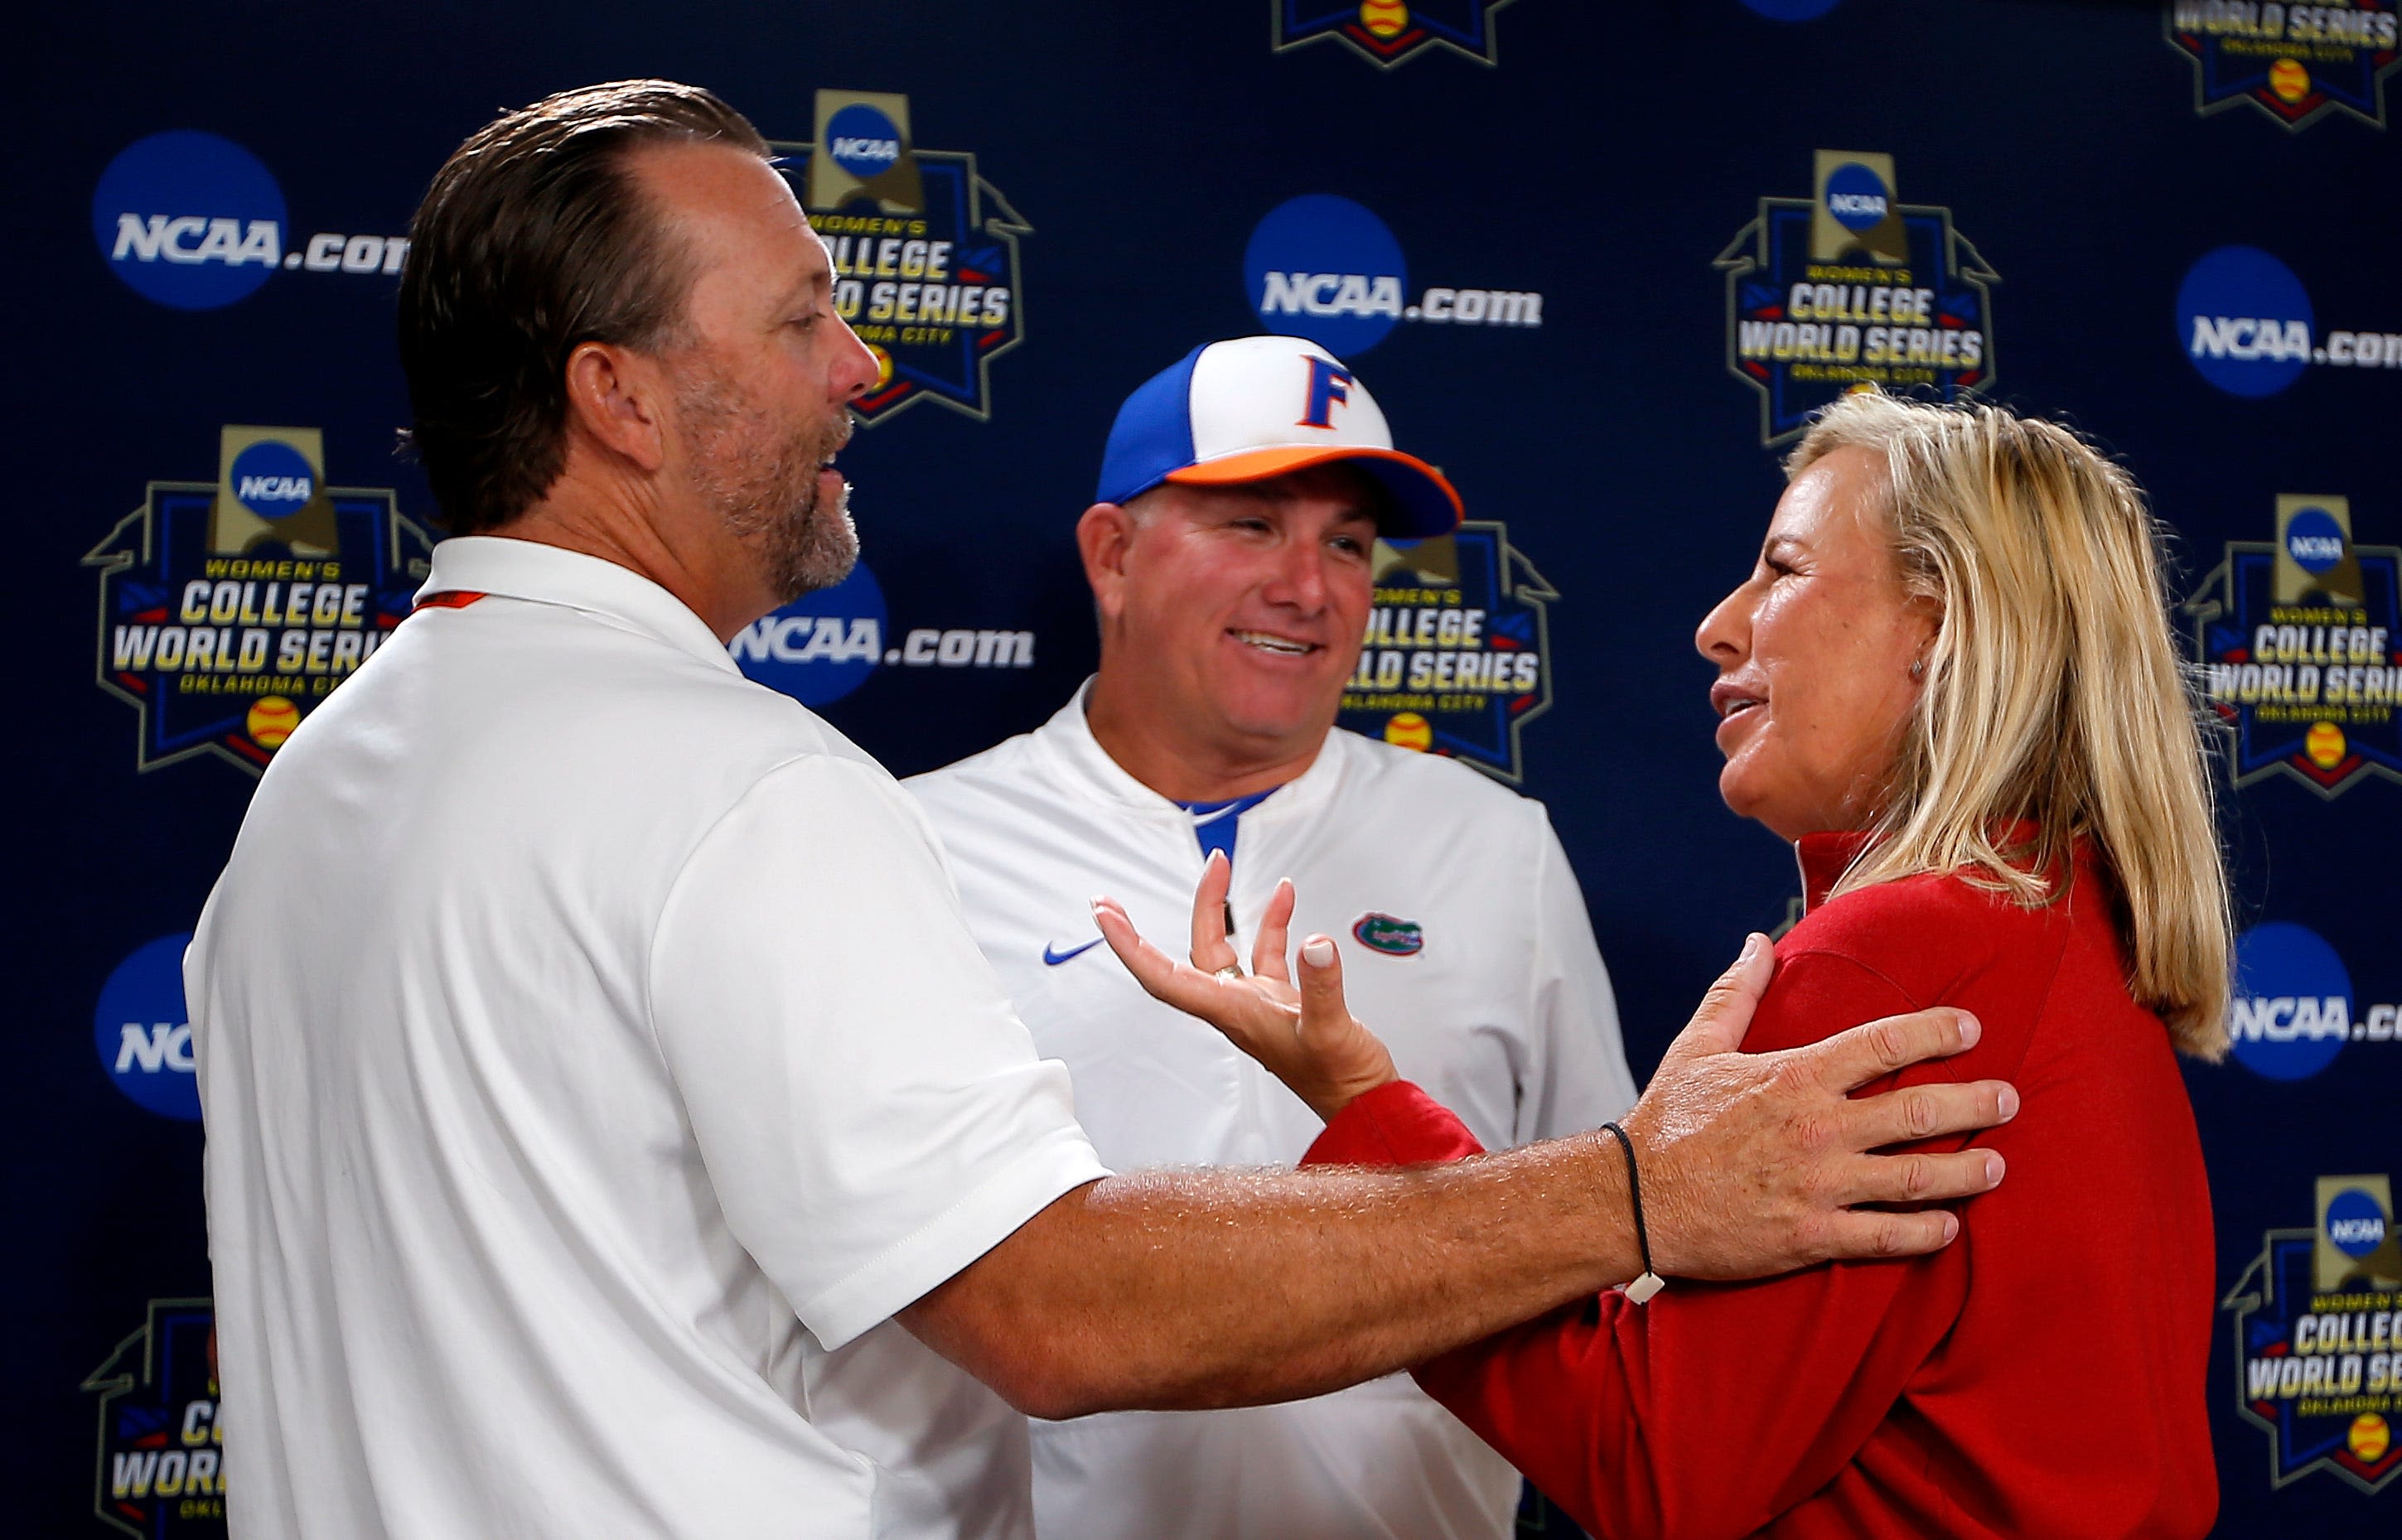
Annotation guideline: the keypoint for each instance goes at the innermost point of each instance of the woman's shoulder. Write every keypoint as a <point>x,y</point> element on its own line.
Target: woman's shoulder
<point>1925,934</point>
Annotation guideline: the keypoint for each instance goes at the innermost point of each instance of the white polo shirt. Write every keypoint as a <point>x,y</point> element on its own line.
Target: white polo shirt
<point>593,1061</point>
<point>1465,944</point>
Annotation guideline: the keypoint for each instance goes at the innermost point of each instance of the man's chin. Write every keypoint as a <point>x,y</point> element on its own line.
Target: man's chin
<point>816,580</point>
<point>827,552</point>
<point>1281,716</point>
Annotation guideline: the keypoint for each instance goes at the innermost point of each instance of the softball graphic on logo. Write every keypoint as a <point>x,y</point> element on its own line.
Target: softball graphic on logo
<point>271,721</point>
<point>1389,32</point>
<point>1408,730</point>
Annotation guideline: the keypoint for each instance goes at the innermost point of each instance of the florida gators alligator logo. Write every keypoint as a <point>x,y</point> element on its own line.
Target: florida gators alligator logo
<point>1394,938</point>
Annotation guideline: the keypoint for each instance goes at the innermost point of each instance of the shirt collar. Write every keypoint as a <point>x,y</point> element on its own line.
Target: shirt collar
<point>550,574</point>
<point>1824,859</point>
<point>1069,738</point>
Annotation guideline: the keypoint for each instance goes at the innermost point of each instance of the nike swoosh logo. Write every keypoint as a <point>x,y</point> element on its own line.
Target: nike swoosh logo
<point>1053,957</point>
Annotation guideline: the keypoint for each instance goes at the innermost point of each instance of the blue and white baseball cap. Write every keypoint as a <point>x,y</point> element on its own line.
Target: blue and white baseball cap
<point>1261,406</point>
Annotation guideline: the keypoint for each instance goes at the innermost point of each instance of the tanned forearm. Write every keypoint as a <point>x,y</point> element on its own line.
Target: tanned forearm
<point>1206,1288</point>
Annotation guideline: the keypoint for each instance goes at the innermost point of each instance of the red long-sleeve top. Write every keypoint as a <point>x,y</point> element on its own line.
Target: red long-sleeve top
<point>2042,1376</point>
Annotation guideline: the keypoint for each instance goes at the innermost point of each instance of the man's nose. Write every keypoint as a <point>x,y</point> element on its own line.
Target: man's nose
<point>1300,578</point>
<point>856,371</point>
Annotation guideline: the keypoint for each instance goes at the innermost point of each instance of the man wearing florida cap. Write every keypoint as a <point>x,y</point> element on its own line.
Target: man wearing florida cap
<point>1229,548</point>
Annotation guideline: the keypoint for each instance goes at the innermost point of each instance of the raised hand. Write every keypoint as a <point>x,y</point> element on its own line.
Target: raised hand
<point>1292,1020</point>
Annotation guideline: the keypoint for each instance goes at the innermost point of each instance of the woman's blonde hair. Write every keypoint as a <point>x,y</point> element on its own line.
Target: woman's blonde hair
<point>2053,692</point>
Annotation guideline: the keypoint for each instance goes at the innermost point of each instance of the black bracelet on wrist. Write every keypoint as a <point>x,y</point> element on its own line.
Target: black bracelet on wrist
<point>1650,1283</point>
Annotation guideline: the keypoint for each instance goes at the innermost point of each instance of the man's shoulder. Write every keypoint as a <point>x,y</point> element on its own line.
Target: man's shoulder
<point>698,716</point>
<point>1001,771</point>
<point>1439,786</point>
<point>583,695</point>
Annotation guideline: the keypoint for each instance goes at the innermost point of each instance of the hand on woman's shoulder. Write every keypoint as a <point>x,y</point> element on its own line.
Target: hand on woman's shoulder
<point>1901,946</point>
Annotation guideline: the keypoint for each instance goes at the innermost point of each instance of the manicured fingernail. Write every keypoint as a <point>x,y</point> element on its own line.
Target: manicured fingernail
<point>1751,946</point>
<point>2008,1102</point>
<point>1318,951</point>
<point>1971,1030</point>
<point>1993,1167</point>
<point>1951,1228</point>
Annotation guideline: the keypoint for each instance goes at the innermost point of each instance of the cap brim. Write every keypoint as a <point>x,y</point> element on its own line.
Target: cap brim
<point>1421,502</point>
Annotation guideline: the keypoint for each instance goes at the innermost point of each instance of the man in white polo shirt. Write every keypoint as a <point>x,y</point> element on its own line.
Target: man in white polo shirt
<point>613,1129</point>
<point>1228,549</point>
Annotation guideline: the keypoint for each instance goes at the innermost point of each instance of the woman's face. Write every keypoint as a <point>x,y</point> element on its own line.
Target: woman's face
<point>1814,654</point>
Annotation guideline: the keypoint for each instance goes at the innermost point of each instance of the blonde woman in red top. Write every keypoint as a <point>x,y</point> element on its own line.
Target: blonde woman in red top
<point>1950,682</point>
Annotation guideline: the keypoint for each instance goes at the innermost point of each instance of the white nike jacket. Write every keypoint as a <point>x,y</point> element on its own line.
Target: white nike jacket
<point>1465,945</point>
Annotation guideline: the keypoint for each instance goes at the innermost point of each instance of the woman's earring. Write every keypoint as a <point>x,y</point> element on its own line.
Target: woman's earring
<point>1918,668</point>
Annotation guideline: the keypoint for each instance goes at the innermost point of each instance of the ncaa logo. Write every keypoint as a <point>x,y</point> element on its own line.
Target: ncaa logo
<point>1857,196</point>
<point>862,141</point>
<point>2315,540</point>
<point>822,646</point>
<point>2292,1009</point>
<point>189,219</point>
<point>2244,321</point>
<point>1322,267</point>
<point>272,479</point>
<point>2355,1222</point>
<point>145,1034</point>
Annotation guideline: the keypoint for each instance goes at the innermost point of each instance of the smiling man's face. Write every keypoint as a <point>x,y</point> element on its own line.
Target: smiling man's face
<point>1239,610</point>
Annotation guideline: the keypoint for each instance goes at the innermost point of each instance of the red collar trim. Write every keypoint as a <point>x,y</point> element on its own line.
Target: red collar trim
<point>1824,859</point>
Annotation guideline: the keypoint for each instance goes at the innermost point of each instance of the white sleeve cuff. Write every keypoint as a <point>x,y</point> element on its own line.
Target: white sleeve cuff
<point>984,1216</point>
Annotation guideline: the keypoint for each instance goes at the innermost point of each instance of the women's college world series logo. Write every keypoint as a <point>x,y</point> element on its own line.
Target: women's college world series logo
<point>161,1454</point>
<point>1457,656</point>
<point>2296,64</point>
<point>924,252</point>
<point>1388,32</point>
<point>1853,287</point>
<point>229,610</point>
<point>2318,1339</point>
<point>2300,644</point>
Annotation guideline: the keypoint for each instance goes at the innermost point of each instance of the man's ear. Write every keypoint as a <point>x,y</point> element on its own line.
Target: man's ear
<point>616,399</point>
<point>1105,538</point>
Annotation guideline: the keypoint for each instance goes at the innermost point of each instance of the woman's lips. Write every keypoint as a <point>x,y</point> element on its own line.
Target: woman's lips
<point>1735,705</point>
<point>1728,698</point>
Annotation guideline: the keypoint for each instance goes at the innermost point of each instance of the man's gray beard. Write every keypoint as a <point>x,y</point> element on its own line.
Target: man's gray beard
<point>766,490</point>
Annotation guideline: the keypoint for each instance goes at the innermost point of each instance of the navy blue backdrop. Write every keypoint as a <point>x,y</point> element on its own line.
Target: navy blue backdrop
<point>1530,226</point>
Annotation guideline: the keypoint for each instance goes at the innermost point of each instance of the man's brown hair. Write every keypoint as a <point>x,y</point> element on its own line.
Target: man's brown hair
<point>533,239</point>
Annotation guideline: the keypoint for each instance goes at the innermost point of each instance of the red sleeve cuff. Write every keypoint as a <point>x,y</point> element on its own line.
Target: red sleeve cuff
<point>1395,1124</point>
